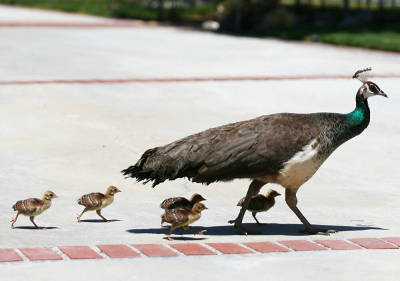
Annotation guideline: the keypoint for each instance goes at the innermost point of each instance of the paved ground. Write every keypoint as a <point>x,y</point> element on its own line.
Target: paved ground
<point>72,135</point>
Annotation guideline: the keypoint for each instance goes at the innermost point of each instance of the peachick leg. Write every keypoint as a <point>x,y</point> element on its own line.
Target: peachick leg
<point>195,231</point>
<point>253,190</point>
<point>169,234</point>
<point>99,213</point>
<point>79,216</point>
<point>291,201</point>
<point>32,218</point>
<point>14,220</point>
<point>254,216</point>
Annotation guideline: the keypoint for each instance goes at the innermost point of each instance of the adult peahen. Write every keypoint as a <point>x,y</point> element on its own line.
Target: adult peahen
<point>284,148</point>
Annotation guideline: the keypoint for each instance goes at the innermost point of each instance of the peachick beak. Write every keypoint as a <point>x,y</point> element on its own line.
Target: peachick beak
<point>55,196</point>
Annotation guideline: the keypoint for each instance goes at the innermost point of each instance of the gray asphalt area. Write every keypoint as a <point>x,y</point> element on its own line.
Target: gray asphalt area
<point>75,138</point>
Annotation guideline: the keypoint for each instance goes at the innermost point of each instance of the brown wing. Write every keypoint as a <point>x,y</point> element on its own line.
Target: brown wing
<point>182,203</point>
<point>174,202</point>
<point>178,215</point>
<point>92,199</point>
<point>257,202</point>
<point>28,206</point>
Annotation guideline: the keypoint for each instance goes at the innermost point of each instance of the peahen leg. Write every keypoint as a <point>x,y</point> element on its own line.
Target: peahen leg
<point>253,190</point>
<point>291,201</point>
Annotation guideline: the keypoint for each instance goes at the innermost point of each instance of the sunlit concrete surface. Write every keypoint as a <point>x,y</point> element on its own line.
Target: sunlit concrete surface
<point>76,138</point>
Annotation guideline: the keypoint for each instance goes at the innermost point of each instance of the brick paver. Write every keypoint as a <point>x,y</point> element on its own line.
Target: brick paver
<point>40,254</point>
<point>192,249</point>
<point>393,240</point>
<point>302,245</point>
<point>372,243</point>
<point>118,251</point>
<point>9,255</point>
<point>230,248</point>
<point>338,244</point>
<point>266,247</point>
<point>155,250</point>
<point>80,252</point>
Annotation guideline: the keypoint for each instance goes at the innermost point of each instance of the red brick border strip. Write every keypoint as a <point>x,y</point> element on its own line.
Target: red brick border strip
<point>188,249</point>
<point>185,79</point>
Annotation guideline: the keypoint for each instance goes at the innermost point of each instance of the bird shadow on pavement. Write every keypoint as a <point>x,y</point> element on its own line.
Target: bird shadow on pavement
<point>34,228</point>
<point>268,229</point>
<point>96,221</point>
<point>184,238</point>
<point>281,229</point>
<point>182,234</point>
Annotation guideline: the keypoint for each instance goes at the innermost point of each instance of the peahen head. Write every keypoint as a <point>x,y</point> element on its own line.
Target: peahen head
<point>368,88</point>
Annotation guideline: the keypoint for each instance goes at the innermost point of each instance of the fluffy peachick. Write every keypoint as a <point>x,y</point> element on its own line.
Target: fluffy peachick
<point>260,203</point>
<point>174,202</point>
<point>97,201</point>
<point>284,148</point>
<point>33,207</point>
<point>182,217</point>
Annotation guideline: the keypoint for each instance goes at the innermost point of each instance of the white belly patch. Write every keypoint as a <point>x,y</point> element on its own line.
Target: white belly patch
<point>301,167</point>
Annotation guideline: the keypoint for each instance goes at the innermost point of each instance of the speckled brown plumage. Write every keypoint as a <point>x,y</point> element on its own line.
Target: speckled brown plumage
<point>33,207</point>
<point>92,199</point>
<point>182,217</point>
<point>174,202</point>
<point>260,203</point>
<point>97,201</point>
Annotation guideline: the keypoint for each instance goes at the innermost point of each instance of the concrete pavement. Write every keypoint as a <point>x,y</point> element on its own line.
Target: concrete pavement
<point>74,138</point>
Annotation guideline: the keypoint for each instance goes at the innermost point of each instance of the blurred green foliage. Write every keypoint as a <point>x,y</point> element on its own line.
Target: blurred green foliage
<point>94,7</point>
<point>379,40</point>
<point>128,9</point>
<point>360,27</point>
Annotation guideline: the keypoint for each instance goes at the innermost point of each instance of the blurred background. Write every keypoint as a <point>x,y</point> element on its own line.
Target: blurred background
<point>373,24</point>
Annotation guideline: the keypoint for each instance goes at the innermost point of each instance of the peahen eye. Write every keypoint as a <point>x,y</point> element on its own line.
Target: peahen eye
<point>371,88</point>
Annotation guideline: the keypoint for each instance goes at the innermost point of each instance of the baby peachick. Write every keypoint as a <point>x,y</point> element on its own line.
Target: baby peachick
<point>260,203</point>
<point>33,207</point>
<point>182,217</point>
<point>97,201</point>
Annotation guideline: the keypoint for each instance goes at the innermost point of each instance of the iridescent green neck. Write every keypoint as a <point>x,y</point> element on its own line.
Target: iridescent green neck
<point>360,115</point>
